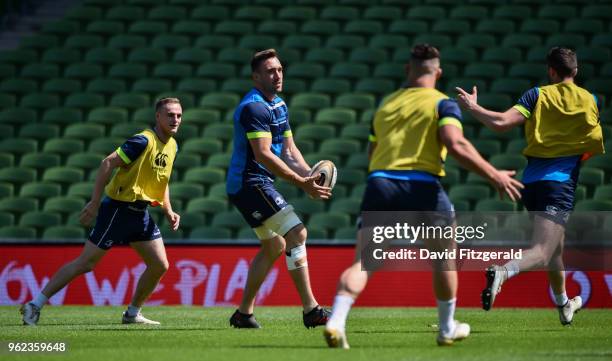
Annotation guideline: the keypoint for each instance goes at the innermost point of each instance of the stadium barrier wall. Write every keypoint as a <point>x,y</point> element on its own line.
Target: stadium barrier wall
<point>215,275</point>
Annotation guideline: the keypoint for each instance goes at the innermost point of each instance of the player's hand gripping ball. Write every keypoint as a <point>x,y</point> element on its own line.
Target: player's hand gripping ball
<point>328,171</point>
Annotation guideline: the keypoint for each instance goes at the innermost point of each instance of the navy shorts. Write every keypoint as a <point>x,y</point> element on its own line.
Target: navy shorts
<point>386,194</point>
<point>257,203</point>
<point>555,200</point>
<point>123,222</point>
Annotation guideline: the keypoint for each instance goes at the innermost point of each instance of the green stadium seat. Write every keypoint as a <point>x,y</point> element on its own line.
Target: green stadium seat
<point>591,177</point>
<point>17,116</point>
<point>234,27</point>
<point>126,130</point>
<point>508,161</point>
<point>426,12</point>
<point>7,160</point>
<point>336,116</point>
<point>61,86</point>
<point>392,71</point>
<point>584,26</point>
<point>221,101</point>
<point>222,131</point>
<point>236,85</point>
<point>167,13</point>
<point>502,55</point>
<point>438,40</point>
<point>18,86</point>
<point>104,56</point>
<point>7,100</point>
<point>84,101</point>
<point>191,28</point>
<point>125,13</point>
<point>302,42</point>
<point>599,86</point>
<point>459,55</point>
<point>81,190</point>
<point>276,27</point>
<point>557,11</point>
<point>228,219</point>
<point>217,190</point>
<point>18,146</point>
<point>127,42</point>
<point>64,232</point>
<point>210,12</point>
<point>375,86</point>
<point>219,160</point>
<point>192,56</point>
<point>108,115</point>
<point>40,71</point>
<point>596,55</point>
<point>299,13</point>
<point>6,219</point>
<point>566,39</point>
<point>388,41</point>
<point>39,101</point>
<point>320,27</point>
<point>383,13</point>
<point>516,146</point>
<point>329,221</point>
<point>63,175</point>
<point>60,27</point>
<point>450,26</point>
<point>484,70</point>
<point>469,12</point>
<point>257,42</point>
<point>214,41</point>
<point>202,146</point>
<point>216,71</point>
<point>207,233</point>
<point>368,56</point>
<point>350,71</point>
<point>330,86</point>
<point>83,71</point>
<point>148,28</point>
<point>85,132</point>
<point>316,132</point>
<point>597,12</point>
<point>39,161</point>
<point>105,27</point>
<point>351,177</point>
<point>18,56</point>
<point>84,13</point>
<point>306,206</point>
<point>106,86</point>
<point>63,147</point>
<point>350,206</point>
<point>186,191</point>
<point>63,205</point>
<point>511,86</point>
<point>204,175</point>
<point>339,13</point>
<point>495,205</point>
<point>357,161</point>
<point>186,161</point>
<point>476,40</point>
<point>487,147</point>
<point>313,158</point>
<point>497,102</point>
<point>254,13</point>
<point>345,42</point>
<point>151,86</point>
<point>531,71</point>
<point>83,41</point>
<point>206,206</point>
<point>466,84</point>
<point>323,56</point>
<point>171,42</point>
<point>18,232</point>
<point>62,116</point>
<point>39,219</point>
<point>593,205</point>
<point>495,26</point>
<point>40,190</point>
<point>61,56</point>
<point>105,145</point>
<point>173,71</point>
<point>340,147</point>
<point>130,100</point>
<point>18,205</point>
<point>540,26</point>
<point>356,101</point>
<point>86,160</point>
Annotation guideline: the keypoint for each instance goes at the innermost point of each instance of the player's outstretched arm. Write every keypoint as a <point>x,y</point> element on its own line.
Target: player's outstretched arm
<point>263,155</point>
<point>293,157</point>
<point>89,212</point>
<point>496,121</point>
<point>174,219</point>
<point>465,153</point>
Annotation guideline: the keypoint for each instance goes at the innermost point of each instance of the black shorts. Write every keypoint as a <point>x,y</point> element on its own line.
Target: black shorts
<point>386,194</point>
<point>551,199</point>
<point>257,203</point>
<point>123,222</point>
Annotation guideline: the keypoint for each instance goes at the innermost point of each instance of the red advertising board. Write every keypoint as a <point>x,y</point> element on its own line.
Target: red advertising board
<point>215,275</point>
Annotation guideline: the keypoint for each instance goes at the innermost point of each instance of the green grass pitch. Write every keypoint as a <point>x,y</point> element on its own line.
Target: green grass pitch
<point>190,333</point>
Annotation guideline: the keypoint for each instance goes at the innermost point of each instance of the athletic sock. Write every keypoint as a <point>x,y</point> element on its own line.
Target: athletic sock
<point>132,311</point>
<point>40,300</point>
<point>561,299</point>
<point>512,269</point>
<point>340,310</point>
<point>446,315</point>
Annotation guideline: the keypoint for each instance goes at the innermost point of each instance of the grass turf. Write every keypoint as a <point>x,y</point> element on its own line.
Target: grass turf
<point>188,333</point>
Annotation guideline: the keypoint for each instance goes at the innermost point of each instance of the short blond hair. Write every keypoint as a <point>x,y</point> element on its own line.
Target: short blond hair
<point>163,101</point>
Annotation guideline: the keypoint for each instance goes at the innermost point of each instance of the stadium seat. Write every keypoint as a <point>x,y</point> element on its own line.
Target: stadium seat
<point>202,146</point>
<point>60,27</point>
<point>495,205</point>
<point>300,13</point>
<point>221,101</point>
<point>83,71</point>
<point>228,219</point>
<point>40,190</point>
<point>450,26</point>
<point>426,12</point>
<point>105,145</point>
<point>62,116</point>
<point>18,86</point>
<point>64,232</point>
<point>86,160</point>
<point>84,131</point>
<point>63,147</point>
<point>301,42</point>
<point>340,147</point>
<point>305,70</point>
<point>186,191</point>
<point>84,101</point>
<point>62,86</point>
<point>128,71</point>
<point>103,56</point>
<point>7,219</point>
<point>18,146</point>
<point>206,206</point>
<point>18,205</point>
<point>210,12</point>
<point>208,233</point>
<point>339,13</point>
<point>336,116</point>
<point>375,86</point>
<point>61,56</point>
<point>63,205</point>
<point>19,56</point>
<point>476,40</point>
<point>40,161</point>
<point>593,205</point>
<point>81,190</point>
<point>219,160</point>
<point>63,175</point>
<point>204,175</point>
<point>222,131</point>
<point>368,56</point>
<point>469,192</point>
<point>345,42</point>
<point>214,41</point>
<point>130,100</point>
<point>17,232</point>
<point>591,177</point>
<point>307,206</point>
<point>108,115</point>
<point>40,71</point>
<point>39,219</point>
<point>329,220</point>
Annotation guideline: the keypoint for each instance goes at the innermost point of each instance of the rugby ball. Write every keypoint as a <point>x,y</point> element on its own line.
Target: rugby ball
<point>328,172</point>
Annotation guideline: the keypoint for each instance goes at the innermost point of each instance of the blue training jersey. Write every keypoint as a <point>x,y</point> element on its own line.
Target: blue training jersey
<point>256,117</point>
<point>560,169</point>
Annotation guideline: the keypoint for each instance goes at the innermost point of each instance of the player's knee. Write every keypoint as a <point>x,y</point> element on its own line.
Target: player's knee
<point>296,236</point>
<point>274,247</point>
<point>159,267</point>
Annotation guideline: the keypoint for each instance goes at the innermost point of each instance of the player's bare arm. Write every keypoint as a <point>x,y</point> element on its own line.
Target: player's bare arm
<point>263,155</point>
<point>89,212</point>
<point>293,157</point>
<point>465,153</point>
<point>496,121</point>
<point>173,218</point>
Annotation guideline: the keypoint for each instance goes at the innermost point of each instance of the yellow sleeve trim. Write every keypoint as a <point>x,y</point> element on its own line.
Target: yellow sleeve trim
<point>255,135</point>
<point>288,134</point>
<point>521,109</point>
<point>450,121</point>
<point>372,138</point>
<point>123,156</point>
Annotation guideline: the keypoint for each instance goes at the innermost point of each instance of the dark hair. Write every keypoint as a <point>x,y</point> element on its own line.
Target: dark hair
<point>421,52</point>
<point>562,60</point>
<point>163,101</point>
<point>261,56</point>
